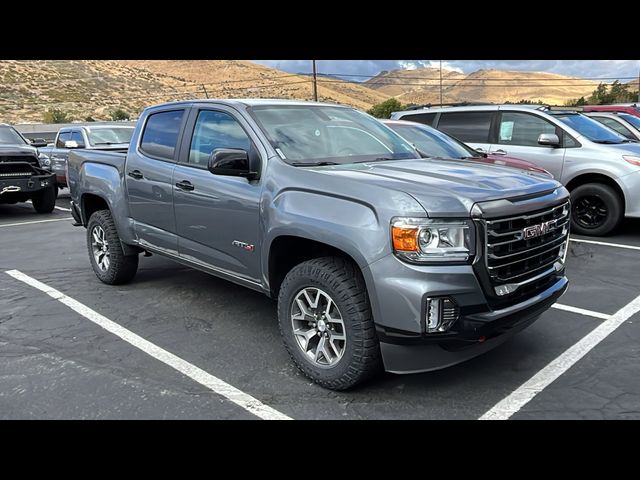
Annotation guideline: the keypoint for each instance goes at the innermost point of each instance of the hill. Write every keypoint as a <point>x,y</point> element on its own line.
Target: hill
<point>94,88</point>
<point>486,85</point>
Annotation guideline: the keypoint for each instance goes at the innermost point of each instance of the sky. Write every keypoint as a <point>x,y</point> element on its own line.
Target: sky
<point>624,70</point>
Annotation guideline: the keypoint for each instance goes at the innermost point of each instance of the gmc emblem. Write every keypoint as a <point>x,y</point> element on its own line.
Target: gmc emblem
<point>540,229</point>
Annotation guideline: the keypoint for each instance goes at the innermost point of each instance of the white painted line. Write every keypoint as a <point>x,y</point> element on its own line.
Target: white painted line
<point>581,311</point>
<point>505,408</point>
<point>56,207</point>
<point>35,221</point>
<point>606,244</point>
<point>213,383</point>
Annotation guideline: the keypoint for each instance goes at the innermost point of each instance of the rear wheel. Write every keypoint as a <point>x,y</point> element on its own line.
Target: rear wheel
<point>45,200</point>
<point>108,260</point>
<point>596,209</point>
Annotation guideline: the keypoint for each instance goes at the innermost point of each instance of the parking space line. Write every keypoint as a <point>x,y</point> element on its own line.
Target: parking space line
<point>35,221</point>
<point>216,385</point>
<point>56,207</point>
<point>606,244</point>
<point>581,311</point>
<point>508,406</point>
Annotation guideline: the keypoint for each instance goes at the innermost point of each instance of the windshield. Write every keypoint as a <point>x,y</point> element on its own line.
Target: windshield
<point>8,136</point>
<point>432,142</point>
<point>109,136</point>
<point>593,130</point>
<point>632,119</point>
<point>316,133</point>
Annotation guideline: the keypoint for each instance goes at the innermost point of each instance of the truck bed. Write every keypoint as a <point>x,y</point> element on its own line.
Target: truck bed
<point>78,157</point>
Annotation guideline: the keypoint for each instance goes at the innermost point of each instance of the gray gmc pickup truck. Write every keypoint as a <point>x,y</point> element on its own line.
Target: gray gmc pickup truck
<point>377,257</point>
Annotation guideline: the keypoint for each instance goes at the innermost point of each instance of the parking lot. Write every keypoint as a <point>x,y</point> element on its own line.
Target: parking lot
<point>189,340</point>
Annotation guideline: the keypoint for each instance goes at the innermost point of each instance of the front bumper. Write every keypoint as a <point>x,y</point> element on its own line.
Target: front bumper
<point>398,293</point>
<point>21,189</point>
<point>476,334</point>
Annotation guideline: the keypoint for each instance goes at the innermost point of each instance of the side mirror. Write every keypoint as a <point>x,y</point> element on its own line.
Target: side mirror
<point>38,142</point>
<point>72,144</point>
<point>231,162</point>
<point>549,139</point>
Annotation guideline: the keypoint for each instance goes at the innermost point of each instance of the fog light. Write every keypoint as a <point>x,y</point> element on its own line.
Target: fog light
<point>442,312</point>
<point>506,289</point>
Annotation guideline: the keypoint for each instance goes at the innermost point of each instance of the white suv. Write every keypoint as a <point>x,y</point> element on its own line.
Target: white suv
<point>599,166</point>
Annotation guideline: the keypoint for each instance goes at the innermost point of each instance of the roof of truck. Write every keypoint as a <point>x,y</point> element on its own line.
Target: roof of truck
<point>251,102</point>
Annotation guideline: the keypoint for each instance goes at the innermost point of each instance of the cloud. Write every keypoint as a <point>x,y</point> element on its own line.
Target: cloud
<point>626,70</point>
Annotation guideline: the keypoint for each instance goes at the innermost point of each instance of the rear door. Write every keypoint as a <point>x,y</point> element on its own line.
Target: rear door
<point>148,176</point>
<point>517,136</point>
<point>217,216</point>
<point>472,127</point>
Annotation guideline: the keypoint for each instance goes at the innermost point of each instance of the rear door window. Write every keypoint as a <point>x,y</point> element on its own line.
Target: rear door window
<point>470,127</point>
<point>62,138</point>
<point>160,135</point>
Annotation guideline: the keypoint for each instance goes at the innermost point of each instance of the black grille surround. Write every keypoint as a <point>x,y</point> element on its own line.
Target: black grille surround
<point>507,257</point>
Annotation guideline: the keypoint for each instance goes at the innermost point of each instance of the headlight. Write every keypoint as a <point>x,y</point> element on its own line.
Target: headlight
<point>44,160</point>
<point>425,240</point>
<point>632,159</point>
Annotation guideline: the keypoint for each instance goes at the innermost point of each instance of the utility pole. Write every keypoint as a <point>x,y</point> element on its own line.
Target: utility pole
<point>441,83</point>
<point>315,82</point>
<point>205,91</point>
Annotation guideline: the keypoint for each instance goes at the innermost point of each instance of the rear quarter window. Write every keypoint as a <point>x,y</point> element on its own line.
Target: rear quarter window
<point>426,118</point>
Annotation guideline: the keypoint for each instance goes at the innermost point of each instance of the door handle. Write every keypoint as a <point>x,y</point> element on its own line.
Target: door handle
<point>499,152</point>
<point>185,185</point>
<point>137,174</point>
<point>480,150</point>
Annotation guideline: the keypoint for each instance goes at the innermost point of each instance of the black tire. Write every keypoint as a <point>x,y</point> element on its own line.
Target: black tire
<point>607,204</point>
<point>343,282</point>
<point>121,268</point>
<point>45,200</point>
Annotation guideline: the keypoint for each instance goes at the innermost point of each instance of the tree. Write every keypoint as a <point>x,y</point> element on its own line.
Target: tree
<point>55,115</point>
<point>119,114</point>
<point>384,109</point>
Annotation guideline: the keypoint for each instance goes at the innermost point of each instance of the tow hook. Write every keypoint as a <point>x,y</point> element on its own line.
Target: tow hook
<point>10,189</point>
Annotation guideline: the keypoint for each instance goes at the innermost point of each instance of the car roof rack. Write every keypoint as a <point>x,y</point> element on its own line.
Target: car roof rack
<point>451,104</point>
<point>566,109</point>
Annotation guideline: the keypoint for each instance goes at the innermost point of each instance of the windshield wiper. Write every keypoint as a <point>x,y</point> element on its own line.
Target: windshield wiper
<point>381,159</point>
<point>312,164</point>
<point>607,142</point>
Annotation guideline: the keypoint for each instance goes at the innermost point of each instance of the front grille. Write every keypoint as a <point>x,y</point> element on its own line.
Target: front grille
<point>512,258</point>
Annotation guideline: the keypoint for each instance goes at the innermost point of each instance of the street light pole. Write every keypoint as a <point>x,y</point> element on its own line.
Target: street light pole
<point>315,82</point>
<point>441,83</point>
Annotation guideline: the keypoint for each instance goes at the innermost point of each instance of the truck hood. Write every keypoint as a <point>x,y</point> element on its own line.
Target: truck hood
<point>17,150</point>
<point>446,187</point>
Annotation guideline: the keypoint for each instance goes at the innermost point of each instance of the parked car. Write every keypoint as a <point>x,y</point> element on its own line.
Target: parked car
<point>623,123</point>
<point>376,256</point>
<point>600,167</point>
<point>630,108</point>
<point>21,176</point>
<point>94,137</point>
<point>434,143</point>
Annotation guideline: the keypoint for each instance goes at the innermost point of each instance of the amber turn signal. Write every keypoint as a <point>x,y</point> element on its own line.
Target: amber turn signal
<point>405,239</point>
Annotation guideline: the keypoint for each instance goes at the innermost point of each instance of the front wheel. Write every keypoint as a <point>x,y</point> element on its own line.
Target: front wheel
<point>45,200</point>
<point>326,323</point>
<point>108,260</point>
<point>596,209</point>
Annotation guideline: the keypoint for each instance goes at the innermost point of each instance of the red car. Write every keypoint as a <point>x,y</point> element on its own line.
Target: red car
<point>630,108</point>
<point>434,143</point>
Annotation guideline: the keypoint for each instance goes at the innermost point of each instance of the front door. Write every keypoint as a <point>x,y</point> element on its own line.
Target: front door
<point>517,136</point>
<point>149,174</point>
<point>217,217</point>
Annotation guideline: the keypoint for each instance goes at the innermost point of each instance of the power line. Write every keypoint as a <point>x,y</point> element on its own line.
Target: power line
<point>383,76</point>
<point>435,85</point>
